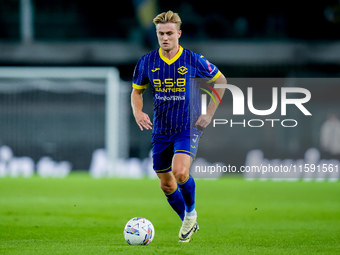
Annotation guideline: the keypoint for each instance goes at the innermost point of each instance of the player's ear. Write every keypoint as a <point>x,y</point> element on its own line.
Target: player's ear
<point>179,33</point>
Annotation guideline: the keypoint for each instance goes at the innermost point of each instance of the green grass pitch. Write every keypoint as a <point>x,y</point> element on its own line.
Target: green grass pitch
<point>80,215</point>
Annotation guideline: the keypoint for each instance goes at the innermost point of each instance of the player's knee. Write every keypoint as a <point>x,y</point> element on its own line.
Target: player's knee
<point>181,175</point>
<point>168,187</point>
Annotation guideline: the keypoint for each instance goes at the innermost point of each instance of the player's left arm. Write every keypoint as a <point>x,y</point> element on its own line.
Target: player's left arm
<point>205,119</point>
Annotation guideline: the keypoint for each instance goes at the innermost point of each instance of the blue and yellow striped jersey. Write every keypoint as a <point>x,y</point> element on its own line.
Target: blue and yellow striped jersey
<point>176,96</point>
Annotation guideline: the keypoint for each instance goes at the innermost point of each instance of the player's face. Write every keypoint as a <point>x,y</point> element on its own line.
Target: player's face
<point>168,35</point>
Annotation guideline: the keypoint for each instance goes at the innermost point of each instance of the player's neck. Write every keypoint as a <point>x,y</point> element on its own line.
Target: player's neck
<point>171,53</point>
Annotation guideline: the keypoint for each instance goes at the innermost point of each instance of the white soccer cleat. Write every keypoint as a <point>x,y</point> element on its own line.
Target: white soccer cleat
<point>189,227</point>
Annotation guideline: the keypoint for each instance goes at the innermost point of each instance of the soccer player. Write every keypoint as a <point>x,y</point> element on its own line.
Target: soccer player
<point>177,121</point>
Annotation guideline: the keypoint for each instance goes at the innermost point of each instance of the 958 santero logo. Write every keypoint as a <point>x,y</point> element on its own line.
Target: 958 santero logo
<point>169,85</point>
<point>295,96</point>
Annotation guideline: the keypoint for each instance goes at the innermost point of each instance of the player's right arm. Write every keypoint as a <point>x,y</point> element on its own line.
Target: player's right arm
<point>142,119</point>
<point>140,82</point>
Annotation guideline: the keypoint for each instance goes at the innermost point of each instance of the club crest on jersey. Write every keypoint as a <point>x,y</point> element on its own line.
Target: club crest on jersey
<point>182,70</point>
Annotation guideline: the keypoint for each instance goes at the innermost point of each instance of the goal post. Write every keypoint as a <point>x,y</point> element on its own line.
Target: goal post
<point>112,118</point>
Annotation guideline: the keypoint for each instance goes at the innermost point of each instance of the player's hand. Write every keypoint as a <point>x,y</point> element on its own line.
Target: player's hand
<point>143,121</point>
<point>203,120</point>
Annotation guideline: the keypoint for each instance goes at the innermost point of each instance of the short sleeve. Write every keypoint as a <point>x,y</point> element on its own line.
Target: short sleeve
<point>140,79</point>
<point>207,70</point>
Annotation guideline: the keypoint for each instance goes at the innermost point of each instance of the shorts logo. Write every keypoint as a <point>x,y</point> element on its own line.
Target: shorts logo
<point>182,70</point>
<point>195,139</point>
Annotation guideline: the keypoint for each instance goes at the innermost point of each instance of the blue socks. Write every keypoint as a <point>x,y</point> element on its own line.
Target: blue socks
<point>175,199</point>
<point>188,192</point>
<point>182,200</point>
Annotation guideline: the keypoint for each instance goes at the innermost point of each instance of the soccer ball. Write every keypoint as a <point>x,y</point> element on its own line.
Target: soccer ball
<point>139,231</point>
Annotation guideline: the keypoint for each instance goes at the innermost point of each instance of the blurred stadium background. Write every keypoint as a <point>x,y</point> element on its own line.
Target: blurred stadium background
<point>61,98</point>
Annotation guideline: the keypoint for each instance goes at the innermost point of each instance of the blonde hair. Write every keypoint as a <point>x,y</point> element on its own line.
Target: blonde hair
<point>166,17</point>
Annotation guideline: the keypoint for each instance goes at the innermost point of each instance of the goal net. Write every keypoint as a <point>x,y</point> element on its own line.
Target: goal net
<point>65,113</point>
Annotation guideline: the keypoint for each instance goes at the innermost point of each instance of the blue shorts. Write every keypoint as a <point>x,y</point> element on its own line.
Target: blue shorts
<point>165,146</point>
